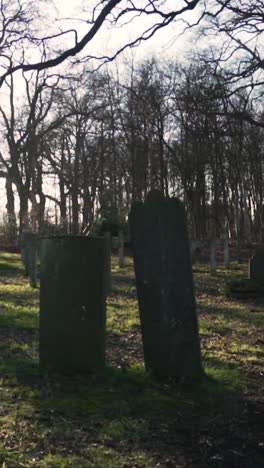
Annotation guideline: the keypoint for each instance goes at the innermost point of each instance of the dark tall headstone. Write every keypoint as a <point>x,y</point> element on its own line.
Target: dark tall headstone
<point>256,266</point>
<point>165,287</point>
<point>73,283</point>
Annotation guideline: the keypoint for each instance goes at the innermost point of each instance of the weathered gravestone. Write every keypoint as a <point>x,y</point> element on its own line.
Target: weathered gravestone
<point>121,254</point>
<point>213,261</point>
<point>73,283</point>
<point>226,253</point>
<point>256,266</point>
<point>29,242</point>
<point>165,287</point>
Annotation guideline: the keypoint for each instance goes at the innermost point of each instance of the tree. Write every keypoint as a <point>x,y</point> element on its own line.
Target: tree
<point>25,129</point>
<point>240,22</point>
<point>116,12</point>
<point>17,28</point>
<point>238,58</point>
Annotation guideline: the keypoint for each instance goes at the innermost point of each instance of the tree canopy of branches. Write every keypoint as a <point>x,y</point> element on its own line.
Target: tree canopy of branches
<point>195,130</point>
<point>240,30</point>
<point>240,22</point>
<point>80,151</point>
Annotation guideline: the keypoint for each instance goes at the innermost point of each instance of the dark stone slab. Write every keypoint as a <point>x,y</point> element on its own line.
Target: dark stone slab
<point>256,266</point>
<point>165,287</point>
<point>73,281</point>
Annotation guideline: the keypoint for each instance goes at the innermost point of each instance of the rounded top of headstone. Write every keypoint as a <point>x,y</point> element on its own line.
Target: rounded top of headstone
<point>154,196</point>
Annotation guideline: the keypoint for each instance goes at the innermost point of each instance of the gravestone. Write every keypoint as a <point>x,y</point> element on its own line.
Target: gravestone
<point>29,242</point>
<point>121,254</point>
<point>256,266</point>
<point>196,248</point>
<point>226,253</point>
<point>73,283</point>
<point>24,252</point>
<point>213,262</point>
<point>165,287</point>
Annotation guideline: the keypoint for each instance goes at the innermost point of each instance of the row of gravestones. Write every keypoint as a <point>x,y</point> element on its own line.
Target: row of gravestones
<point>73,290</point>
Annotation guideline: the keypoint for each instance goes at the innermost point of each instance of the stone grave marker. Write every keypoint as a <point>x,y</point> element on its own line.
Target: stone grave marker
<point>73,285</point>
<point>256,266</point>
<point>165,287</point>
<point>29,253</point>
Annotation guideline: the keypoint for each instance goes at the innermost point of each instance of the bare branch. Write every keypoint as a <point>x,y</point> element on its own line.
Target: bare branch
<point>106,8</point>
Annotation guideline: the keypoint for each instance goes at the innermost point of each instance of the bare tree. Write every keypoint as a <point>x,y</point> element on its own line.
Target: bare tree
<point>239,56</point>
<point>24,129</point>
<point>116,13</point>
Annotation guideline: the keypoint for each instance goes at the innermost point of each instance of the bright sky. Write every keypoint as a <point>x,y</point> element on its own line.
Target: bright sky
<point>66,14</point>
<point>110,39</point>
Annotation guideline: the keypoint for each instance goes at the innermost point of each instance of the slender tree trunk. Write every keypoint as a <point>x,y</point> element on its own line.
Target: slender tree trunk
<point>10,207</point>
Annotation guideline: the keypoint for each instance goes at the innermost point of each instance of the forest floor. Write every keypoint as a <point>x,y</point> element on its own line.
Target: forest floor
<point>122,417</point>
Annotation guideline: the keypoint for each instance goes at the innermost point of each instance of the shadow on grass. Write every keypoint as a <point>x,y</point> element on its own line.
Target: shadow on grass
<point>129,411</point>
<point>10,270</point>
<point>212,284</point>
<point>123,286</point>
<point>119,393</point>
<point>20,320</point>
<point>10,265</point>
<point>246,316</point>
<point>11,297</point>
<point>122,417</point>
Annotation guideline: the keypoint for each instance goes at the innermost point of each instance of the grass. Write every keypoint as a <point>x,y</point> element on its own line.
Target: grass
<point>122,417</point>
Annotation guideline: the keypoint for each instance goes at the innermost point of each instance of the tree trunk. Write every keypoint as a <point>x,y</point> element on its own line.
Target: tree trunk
<point>10,207</point>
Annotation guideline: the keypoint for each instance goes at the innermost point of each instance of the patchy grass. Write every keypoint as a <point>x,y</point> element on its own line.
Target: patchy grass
<point>122,417</point>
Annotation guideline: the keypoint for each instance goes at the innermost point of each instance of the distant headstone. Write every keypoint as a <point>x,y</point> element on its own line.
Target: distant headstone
<point>226,253</point>
<point>196,247</point>
<point>165,287</point>
<point>73,283</point>
<point>256,266</point>
<point>29,242</point>
<point>24,253</point>
<point>121,256</point>
<point>213,262</point>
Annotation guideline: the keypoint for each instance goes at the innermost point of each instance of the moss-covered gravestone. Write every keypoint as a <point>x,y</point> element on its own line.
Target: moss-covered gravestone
<point>73,281</point>
<point>165,287</point>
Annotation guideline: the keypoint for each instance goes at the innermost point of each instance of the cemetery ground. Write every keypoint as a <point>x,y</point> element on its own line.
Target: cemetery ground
<point>123,417</point>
